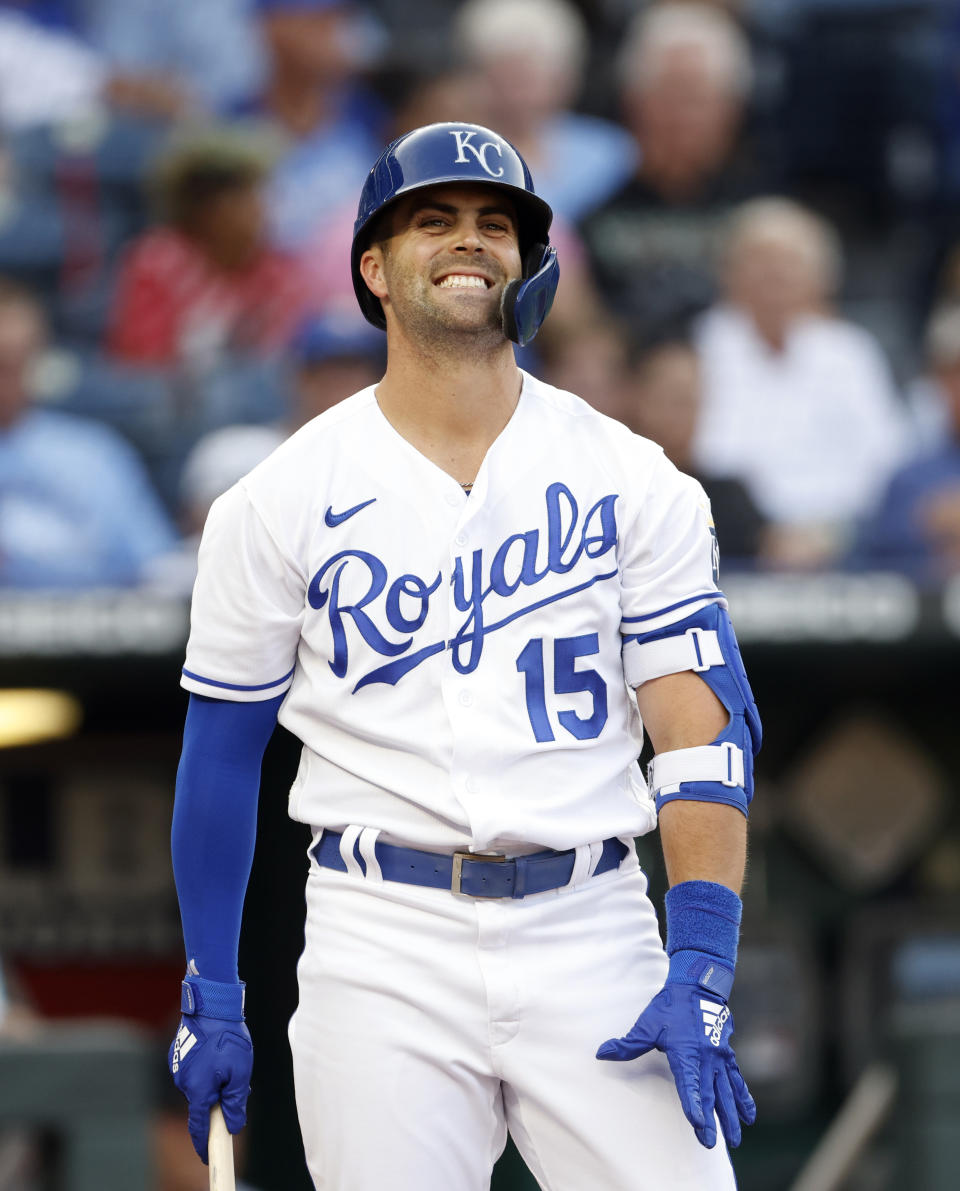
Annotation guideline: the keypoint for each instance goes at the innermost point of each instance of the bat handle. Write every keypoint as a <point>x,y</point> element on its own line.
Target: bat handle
<point>220,1153</point>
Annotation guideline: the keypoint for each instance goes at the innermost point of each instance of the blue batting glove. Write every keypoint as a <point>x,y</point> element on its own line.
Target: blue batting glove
<point>689,1021</point>
<point>211,1058</point>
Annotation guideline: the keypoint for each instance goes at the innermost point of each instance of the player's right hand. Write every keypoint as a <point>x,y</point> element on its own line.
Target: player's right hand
<point>211,1060</point>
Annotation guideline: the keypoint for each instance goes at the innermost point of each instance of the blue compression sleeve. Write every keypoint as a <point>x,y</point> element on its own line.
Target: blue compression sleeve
<point>215,824</point>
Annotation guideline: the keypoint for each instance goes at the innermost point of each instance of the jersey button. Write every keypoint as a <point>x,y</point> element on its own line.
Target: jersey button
<point>452,499</point>
<point>461,539</point>
<point>465,699</point>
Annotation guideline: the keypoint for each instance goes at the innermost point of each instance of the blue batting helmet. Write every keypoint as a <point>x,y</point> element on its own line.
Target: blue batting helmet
<point>442,153</point>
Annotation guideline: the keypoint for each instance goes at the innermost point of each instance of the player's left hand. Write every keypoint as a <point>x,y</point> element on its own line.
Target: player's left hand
<point>693,1030</point>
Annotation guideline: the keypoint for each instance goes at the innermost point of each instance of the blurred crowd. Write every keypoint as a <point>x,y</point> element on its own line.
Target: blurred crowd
<point>757,214</point>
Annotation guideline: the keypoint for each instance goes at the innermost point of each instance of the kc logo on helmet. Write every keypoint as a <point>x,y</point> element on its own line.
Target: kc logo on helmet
<point>464,138</point>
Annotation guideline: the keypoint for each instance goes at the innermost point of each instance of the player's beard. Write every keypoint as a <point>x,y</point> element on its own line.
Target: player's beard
<point>441,328</point>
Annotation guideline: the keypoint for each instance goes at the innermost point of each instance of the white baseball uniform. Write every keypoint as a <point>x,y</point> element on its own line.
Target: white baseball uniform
<point>452,665</point>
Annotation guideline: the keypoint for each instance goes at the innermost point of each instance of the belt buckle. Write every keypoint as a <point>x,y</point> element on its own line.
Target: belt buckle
<point>457,873</point>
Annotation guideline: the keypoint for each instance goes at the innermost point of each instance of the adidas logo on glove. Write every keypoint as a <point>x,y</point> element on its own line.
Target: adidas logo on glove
<point>714,1019</point>
<point>182,1045</point>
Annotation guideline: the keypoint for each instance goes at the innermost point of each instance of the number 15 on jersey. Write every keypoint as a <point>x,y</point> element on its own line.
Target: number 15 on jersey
<point>543,707</point>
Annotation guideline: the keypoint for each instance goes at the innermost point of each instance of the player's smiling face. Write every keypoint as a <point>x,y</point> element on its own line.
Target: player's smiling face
<point>451,251</point>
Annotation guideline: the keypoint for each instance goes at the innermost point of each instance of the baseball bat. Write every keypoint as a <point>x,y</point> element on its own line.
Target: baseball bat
<point>220,1153</point>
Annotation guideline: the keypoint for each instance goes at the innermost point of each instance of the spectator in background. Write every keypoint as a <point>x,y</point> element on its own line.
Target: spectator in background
<point>207,284</point>
<point>315,51</point>
<point>330,358</point>
<point>47,71</point>
<point>663,402</point>
<point>686,76</point>
<point>915,528</point>
<point>590,359</point>
<point>529,57</point>
<point>155,58</point>
<point>206,52</point>
<point>214,463</point>
<point>76,506</point>
<point>798,403</point>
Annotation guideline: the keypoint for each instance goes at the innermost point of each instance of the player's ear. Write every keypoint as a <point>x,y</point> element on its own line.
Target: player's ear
<point>372,271</point>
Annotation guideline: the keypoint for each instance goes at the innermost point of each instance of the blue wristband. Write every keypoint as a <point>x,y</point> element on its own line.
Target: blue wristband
<point>703,916</point>
<point>212,998</point>
<point>703,928</point>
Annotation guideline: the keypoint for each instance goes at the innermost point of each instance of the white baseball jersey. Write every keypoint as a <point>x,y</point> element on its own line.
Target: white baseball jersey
<point>452,663</point>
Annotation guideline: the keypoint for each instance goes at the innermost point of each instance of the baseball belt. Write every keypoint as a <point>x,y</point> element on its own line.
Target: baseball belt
<point>467,873</point>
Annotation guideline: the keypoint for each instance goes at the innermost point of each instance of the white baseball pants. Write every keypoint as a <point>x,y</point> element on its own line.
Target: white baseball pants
<point>429,1024</point>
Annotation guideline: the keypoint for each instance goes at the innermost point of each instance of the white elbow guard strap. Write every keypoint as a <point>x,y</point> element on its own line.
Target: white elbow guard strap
<point>723,770</point>
<point>708,773</point>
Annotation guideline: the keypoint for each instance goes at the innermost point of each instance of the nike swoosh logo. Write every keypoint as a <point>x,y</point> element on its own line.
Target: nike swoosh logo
<point>332,519</point>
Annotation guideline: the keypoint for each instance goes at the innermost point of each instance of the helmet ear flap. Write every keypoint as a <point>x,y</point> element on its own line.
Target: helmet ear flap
<point>526,303</point>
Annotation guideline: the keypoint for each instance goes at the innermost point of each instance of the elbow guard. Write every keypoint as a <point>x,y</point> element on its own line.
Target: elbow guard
<point>721,771</point>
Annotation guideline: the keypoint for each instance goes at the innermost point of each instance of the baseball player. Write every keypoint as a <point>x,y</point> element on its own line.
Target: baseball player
<point>465,591</point>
